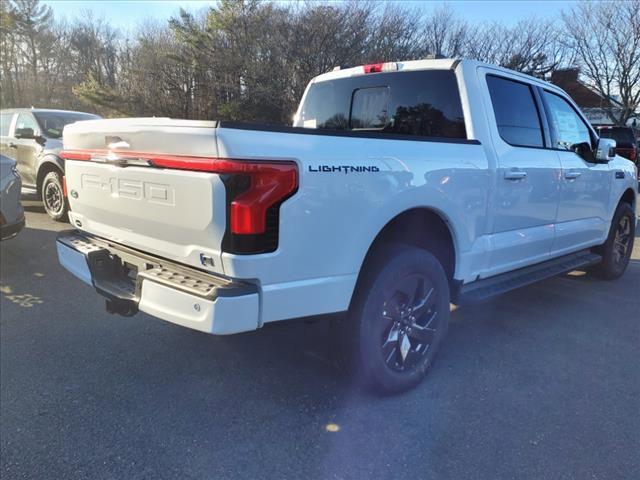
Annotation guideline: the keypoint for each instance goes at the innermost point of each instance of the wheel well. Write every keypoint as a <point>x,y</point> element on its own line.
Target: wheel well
<point>42,172</point>
<point>628,197</point>
<point>422,228</point>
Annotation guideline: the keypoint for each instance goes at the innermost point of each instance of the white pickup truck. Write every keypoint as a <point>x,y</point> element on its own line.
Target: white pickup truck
<point>400,188</point>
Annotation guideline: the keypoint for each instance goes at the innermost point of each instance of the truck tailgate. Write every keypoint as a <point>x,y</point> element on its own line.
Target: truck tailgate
<point>173,213</point>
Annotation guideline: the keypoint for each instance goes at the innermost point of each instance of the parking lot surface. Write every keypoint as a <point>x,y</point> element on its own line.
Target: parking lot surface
<point>543,382</point>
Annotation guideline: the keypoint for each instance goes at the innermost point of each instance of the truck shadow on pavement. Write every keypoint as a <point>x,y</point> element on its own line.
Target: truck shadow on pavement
<point>198,402</point>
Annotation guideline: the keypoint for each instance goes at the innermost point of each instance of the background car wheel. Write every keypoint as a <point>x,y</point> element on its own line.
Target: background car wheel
<point>53,196</point>
<point>397,320</point>
<point>616,251</point>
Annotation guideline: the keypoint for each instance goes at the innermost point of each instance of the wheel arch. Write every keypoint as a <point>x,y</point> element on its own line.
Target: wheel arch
<point>628,196</point>
<point>48,164</point>
<point>421,227</point>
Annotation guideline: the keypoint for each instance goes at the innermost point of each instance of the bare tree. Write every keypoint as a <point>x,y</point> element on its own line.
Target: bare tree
<point>251,59</point>
<point>443,33</point>
<point>606,40</point>
<point>531,46</point>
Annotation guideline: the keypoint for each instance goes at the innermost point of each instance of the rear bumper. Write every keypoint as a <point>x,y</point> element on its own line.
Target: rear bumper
<point>131,280</point>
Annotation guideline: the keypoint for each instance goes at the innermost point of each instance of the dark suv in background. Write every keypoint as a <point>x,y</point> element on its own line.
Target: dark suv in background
<point>626,143</point>
<point>33,138</point>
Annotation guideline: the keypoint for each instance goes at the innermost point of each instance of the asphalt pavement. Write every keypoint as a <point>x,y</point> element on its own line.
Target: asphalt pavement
<point>540,383</point>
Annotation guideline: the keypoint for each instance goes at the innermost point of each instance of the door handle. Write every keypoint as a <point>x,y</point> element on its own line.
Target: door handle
<point>572,175</point>
<point>515,174</point>
<point>13,145</point>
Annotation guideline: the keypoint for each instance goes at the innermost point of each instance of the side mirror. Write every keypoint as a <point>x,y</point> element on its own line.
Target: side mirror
<point>606,150</point>
<point>584,151</point>
<point>25,133</point>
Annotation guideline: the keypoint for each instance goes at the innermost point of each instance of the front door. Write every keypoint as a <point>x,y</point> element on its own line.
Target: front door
<point>27,149</point>
<point>585,185</point>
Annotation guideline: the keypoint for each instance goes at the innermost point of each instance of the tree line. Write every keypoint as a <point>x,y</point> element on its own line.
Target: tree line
<point>251,60</point>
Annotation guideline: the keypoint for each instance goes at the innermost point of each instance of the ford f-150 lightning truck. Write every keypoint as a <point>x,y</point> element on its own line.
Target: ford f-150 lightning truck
<point>401,187</point>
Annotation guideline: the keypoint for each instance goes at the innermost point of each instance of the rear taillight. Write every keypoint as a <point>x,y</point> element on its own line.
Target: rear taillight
<point>254,190</point>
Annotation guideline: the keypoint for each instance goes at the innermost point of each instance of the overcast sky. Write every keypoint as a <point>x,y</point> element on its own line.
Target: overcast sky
<point>127,14</point>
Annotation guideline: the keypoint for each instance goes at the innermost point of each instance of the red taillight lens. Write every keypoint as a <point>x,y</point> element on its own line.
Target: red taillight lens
<point>373,68</point>
<point>269,182</point>
<point>380,67</point>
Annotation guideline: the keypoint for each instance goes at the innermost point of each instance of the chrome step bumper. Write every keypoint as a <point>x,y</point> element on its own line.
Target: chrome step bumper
<point>131,280</point>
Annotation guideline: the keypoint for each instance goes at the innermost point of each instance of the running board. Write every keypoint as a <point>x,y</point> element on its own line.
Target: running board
<point>486,288</point>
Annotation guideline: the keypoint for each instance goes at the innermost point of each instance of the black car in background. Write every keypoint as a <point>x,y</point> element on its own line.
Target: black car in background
<point>11,211</point>
<point>33,138</point>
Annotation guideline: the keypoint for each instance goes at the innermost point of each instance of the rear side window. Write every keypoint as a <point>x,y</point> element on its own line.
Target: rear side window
<point>516,113</point>
<point>5,123</point>
<point>419,103</point>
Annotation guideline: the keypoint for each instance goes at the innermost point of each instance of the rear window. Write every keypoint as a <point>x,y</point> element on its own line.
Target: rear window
<point>421,103</point>
<point>52,123</point>
<point>622,136</point>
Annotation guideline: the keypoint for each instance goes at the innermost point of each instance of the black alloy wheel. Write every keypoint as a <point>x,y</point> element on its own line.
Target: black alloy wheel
<point>397,319</point>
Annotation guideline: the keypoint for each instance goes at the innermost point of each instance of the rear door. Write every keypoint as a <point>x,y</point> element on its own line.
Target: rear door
<point>585,185</point>
<point>526,192</point>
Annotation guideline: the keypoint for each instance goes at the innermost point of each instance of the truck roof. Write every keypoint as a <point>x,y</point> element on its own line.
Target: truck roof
<point>424,64</point>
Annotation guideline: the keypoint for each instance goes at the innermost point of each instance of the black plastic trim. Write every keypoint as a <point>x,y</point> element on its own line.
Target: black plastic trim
<point>341,133</point>
<point>486,288</point>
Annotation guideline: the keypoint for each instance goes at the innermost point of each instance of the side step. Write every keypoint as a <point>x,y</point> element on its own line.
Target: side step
<point>486,288</point>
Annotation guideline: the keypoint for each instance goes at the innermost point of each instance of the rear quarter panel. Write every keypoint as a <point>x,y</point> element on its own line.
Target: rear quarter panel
<point>327,227</point>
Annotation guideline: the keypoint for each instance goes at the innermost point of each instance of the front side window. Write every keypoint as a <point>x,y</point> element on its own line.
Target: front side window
<point>422,103</point>
<point>26,121</point>
<point>567,128</point>
<point>516,113</point>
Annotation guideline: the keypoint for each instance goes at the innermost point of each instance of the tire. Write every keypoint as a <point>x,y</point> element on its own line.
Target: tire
<point>616,251</point>
<point>397,320</point>
<point>53,199</point>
